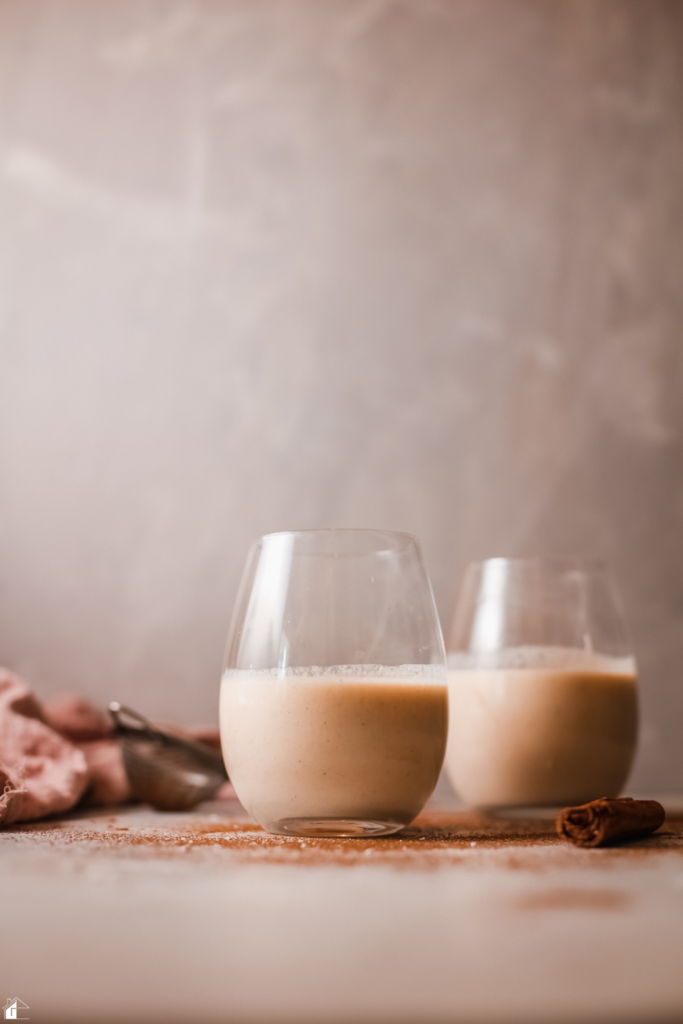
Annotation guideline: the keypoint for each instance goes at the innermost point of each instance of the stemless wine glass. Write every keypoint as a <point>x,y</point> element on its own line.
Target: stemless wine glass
<point>334,703</point>
<point>542,684</point>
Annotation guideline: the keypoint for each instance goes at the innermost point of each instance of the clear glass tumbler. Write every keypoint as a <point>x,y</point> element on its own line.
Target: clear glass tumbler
<point>334,703</point>
<point>542,684</point>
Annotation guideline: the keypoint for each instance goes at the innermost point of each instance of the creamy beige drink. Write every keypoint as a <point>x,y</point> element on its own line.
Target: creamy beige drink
<point>545,726</point>
<point>354,743</point>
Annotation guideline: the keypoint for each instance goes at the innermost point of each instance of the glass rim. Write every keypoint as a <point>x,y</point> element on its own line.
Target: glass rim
<point>406,539</point>
<point>552,561</point>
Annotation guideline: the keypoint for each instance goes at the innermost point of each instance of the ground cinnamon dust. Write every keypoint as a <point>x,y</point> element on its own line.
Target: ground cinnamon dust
<point>434,840</point>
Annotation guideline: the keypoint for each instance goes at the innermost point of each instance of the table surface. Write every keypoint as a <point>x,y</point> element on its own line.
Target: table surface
<point>140,916</point>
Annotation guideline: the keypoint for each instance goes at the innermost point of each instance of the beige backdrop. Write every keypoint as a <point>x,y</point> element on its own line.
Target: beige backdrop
<point>268,264</point>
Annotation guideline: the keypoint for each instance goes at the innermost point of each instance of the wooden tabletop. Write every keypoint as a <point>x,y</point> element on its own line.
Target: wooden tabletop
<point>142,916</point>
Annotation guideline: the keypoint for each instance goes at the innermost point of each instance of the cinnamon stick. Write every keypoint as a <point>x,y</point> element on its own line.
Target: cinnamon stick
<point>609,820</point>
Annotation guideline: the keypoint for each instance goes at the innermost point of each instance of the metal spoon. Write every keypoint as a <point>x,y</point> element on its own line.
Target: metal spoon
<point>166,771</point>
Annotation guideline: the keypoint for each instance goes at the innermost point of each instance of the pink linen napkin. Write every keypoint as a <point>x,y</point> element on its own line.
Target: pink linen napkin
<point>40,771</point>
<point>92,731</point>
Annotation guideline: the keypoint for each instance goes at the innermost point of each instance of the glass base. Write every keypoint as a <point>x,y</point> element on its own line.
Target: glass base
<point>334,828</point>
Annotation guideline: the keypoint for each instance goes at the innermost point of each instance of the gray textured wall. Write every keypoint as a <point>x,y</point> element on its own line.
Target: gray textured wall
<point>268,264</point>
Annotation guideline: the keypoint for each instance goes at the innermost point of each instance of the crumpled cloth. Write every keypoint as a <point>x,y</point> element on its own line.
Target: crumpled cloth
<point>40,771</point>
<point>92,731</point>
<point>52,756</point>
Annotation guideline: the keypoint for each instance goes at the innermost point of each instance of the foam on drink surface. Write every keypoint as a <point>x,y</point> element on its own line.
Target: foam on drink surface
<point>338,673</point>
<point>547,658</point>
